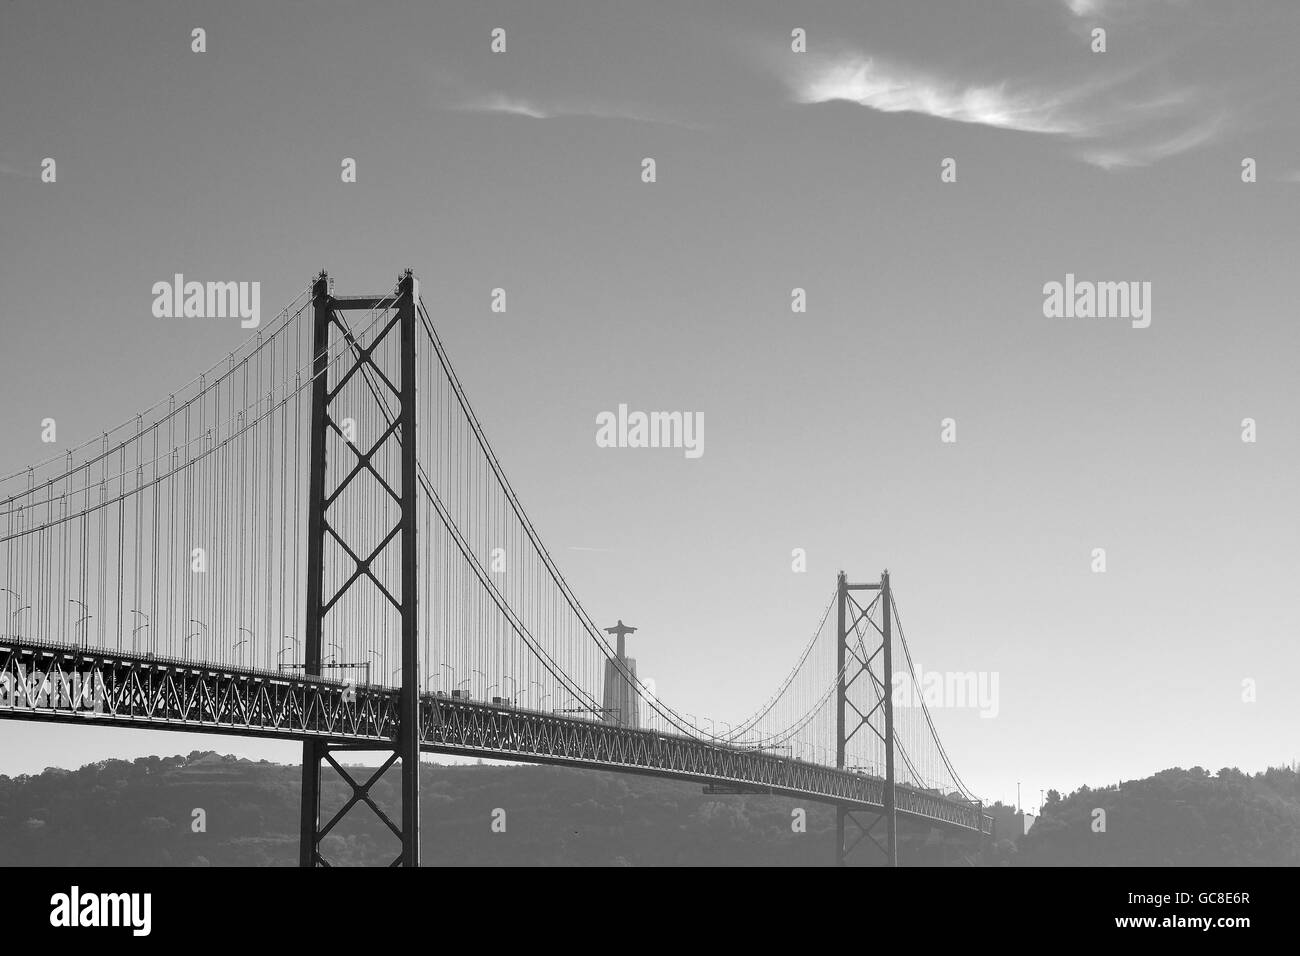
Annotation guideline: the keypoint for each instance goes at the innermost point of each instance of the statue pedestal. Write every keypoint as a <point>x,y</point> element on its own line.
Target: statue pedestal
<point>621,701</point>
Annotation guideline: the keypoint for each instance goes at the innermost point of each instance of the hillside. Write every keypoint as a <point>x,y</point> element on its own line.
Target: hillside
<point>141,813</point>
<point>1175,818</point>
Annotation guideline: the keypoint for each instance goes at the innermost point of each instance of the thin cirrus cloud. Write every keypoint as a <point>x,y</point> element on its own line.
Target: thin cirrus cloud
<point>1103,119</point>
<point>503,104</point>
<point>1109,8</point>
<point>1087,8</point>
<point>500,103</point>
<point>1151,151</point>
<point>888,88</point>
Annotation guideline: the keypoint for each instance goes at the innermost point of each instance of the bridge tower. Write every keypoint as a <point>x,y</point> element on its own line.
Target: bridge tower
<point>860,640</point>
<point>357,359</point>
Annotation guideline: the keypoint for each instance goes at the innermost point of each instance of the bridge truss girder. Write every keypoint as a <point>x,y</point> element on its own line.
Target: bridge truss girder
<point>98,686</point>
<point>164,694</point>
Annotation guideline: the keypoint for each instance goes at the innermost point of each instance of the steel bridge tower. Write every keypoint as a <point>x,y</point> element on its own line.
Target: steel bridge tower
<point>403,429</point>
<point>851,619</point>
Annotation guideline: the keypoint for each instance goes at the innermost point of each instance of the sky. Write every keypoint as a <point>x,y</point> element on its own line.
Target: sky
<point>774,170</point>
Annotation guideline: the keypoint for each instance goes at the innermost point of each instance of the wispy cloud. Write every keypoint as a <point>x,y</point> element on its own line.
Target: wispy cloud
<point>1099,9</point>
<point>1147,152</point>
<point>894,89</point>
<point>505,104</point>
<point>1118,119</point>
<point>500,103</point>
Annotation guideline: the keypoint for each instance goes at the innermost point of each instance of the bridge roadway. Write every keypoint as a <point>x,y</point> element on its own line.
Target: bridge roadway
<point>103,687</point>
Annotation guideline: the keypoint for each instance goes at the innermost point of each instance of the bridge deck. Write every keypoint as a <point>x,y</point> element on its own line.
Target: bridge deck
<point>98,686</point>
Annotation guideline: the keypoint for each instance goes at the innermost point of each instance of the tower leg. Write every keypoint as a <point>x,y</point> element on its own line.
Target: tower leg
<point>891,817</point>
<point>841,689</point>
<point>408,740</point>
<point>310,820</point>
<point>309,824</point>
<point>839,835</point>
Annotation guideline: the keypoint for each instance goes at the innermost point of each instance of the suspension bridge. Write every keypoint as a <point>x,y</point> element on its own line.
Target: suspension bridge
<point>314,541</point>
